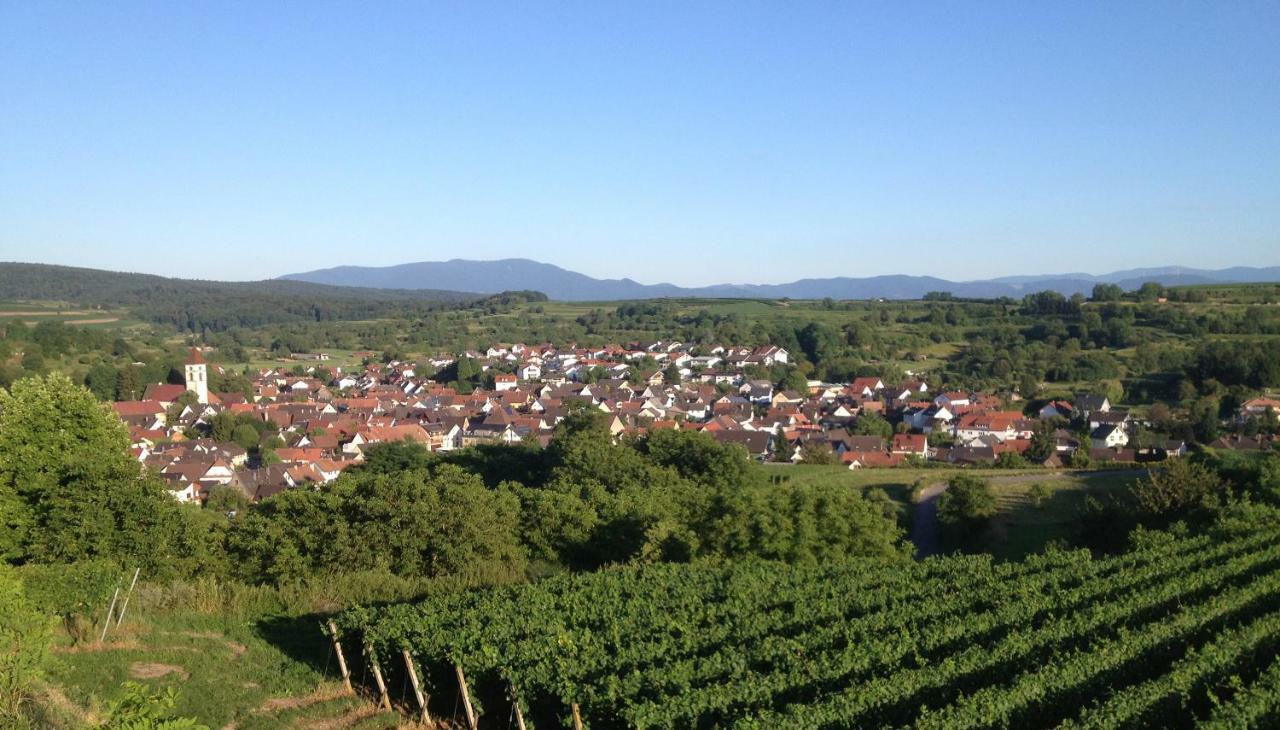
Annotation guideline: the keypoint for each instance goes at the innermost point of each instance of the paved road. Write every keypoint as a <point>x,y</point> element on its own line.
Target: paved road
<point>924,525</point>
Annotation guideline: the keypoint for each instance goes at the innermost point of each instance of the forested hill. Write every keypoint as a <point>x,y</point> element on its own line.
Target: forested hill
<point>196,305</point>
<point>564,285</point>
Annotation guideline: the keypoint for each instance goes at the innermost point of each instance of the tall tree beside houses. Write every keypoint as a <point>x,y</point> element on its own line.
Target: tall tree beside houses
<point>68,488</point>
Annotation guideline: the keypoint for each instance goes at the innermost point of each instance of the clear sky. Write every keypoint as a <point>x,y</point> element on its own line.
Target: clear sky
<point>687,142</point>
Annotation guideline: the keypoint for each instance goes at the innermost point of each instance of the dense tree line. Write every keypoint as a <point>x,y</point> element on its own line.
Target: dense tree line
<point>581,503</point>
<point>69,492</point>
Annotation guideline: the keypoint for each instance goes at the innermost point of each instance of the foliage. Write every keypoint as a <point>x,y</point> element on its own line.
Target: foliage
<point>24,638</point>
<point>817,452</point>
<point>586,502</point>
<point>77,593</point>
<point>141,708</point>
<point>1120,641</point>
<point>967,501</point>
<point>68,488</point>
<point>1040,493</point>
<point>1175,487</point>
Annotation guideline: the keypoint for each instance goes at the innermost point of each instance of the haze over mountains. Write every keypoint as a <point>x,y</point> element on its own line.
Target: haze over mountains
<point>489,277</point>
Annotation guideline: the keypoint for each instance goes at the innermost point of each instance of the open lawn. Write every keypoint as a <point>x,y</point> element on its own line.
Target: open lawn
<point>1022,525</point>
<point>228,672</point>
<point>1029,519</point>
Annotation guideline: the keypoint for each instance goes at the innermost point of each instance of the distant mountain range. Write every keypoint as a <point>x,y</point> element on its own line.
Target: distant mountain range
<point>490,277</point>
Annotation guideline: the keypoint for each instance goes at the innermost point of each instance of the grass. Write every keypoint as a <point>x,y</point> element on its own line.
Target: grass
<point>1022,526</point>
<point>272,672</point>
<point>223,670</point>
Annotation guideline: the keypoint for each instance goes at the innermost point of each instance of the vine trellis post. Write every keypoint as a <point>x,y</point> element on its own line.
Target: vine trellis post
<point>515,704</point>
<point>125,605</point>
<point>384,699</point>
<point>577,716</point>
<point>342,660</point>
<point>466,697</point>
<point>424,716</point>
<point>110,609</point>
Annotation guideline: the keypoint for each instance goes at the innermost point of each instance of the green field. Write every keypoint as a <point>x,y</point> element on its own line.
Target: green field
<point>227,670</point>
<point>34,312</point>
<point>1020,528</point>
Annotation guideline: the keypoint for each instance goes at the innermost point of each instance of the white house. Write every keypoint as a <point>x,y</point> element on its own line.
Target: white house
<point>1108,437</point>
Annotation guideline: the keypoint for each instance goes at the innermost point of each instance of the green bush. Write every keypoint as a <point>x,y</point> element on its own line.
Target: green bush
<point>967,502</point>
<point>78,593</point>
<point>139,708</point>
<point>24,638</point>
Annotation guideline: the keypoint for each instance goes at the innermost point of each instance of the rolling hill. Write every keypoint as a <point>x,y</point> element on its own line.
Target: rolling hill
<point>561,284</point>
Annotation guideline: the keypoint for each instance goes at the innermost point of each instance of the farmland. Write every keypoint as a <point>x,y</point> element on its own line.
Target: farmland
<point>1176,633</point>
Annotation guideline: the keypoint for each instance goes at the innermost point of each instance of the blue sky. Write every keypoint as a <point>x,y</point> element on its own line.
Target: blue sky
<point>688,142</point>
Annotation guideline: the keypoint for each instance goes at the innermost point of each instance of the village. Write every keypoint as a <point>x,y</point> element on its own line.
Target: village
<point>323,425</point>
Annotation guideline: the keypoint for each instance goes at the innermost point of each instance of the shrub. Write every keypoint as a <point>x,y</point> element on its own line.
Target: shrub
<point>24,638</point>
<point>967,502</point>
<point>1179,485</point>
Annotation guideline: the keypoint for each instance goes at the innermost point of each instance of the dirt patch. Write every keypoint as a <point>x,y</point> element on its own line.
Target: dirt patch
<point>323,694</point>
<point>152,670</point>
<point>53,697</point>
<point>90,647</point>
<point>237,649</point>
<point>100,320</point>
<point>337,723</point>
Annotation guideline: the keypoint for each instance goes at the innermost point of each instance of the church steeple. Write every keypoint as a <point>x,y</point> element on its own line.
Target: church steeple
<point>197,375</point>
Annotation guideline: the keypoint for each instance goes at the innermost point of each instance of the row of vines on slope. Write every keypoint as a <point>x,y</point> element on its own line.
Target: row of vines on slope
<point>1178,632</point>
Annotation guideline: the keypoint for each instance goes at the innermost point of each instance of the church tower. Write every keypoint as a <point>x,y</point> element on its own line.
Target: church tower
<point>197,376</point>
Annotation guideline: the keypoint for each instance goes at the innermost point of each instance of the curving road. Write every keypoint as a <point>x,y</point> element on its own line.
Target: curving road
<point>924,525</point>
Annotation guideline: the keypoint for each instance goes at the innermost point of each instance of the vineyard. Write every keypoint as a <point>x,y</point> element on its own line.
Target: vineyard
<point>1178,633</point>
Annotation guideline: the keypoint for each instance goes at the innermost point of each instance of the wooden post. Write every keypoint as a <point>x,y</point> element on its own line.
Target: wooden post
<point>417,688</point>
<point>110,609</point>
<point>466,697</point>
<point>515,704</point>
<point>384,699</point>
<point>342,660</point>
<point>125,605</point>
<point>577,717</point>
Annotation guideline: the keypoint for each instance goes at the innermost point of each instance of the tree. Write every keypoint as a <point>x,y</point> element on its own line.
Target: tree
<point>795,381</point>
<point>818,341</point>
<point>1011,460</point>
<point>871,423</point>
<point>967,502</point>
<point>226,499</point>
<point>1043,445</point>
<point>1106,293</point>
<point>817,452</point>
<point>128,383</point>
<point>1150,291</point>
<point>223,425</point>
<point>1204,420</point>
<point>24,639</point>
<point>245,436</point>
<point>1177,486</point>
<point>68,488</point>
<point>101,381</point>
